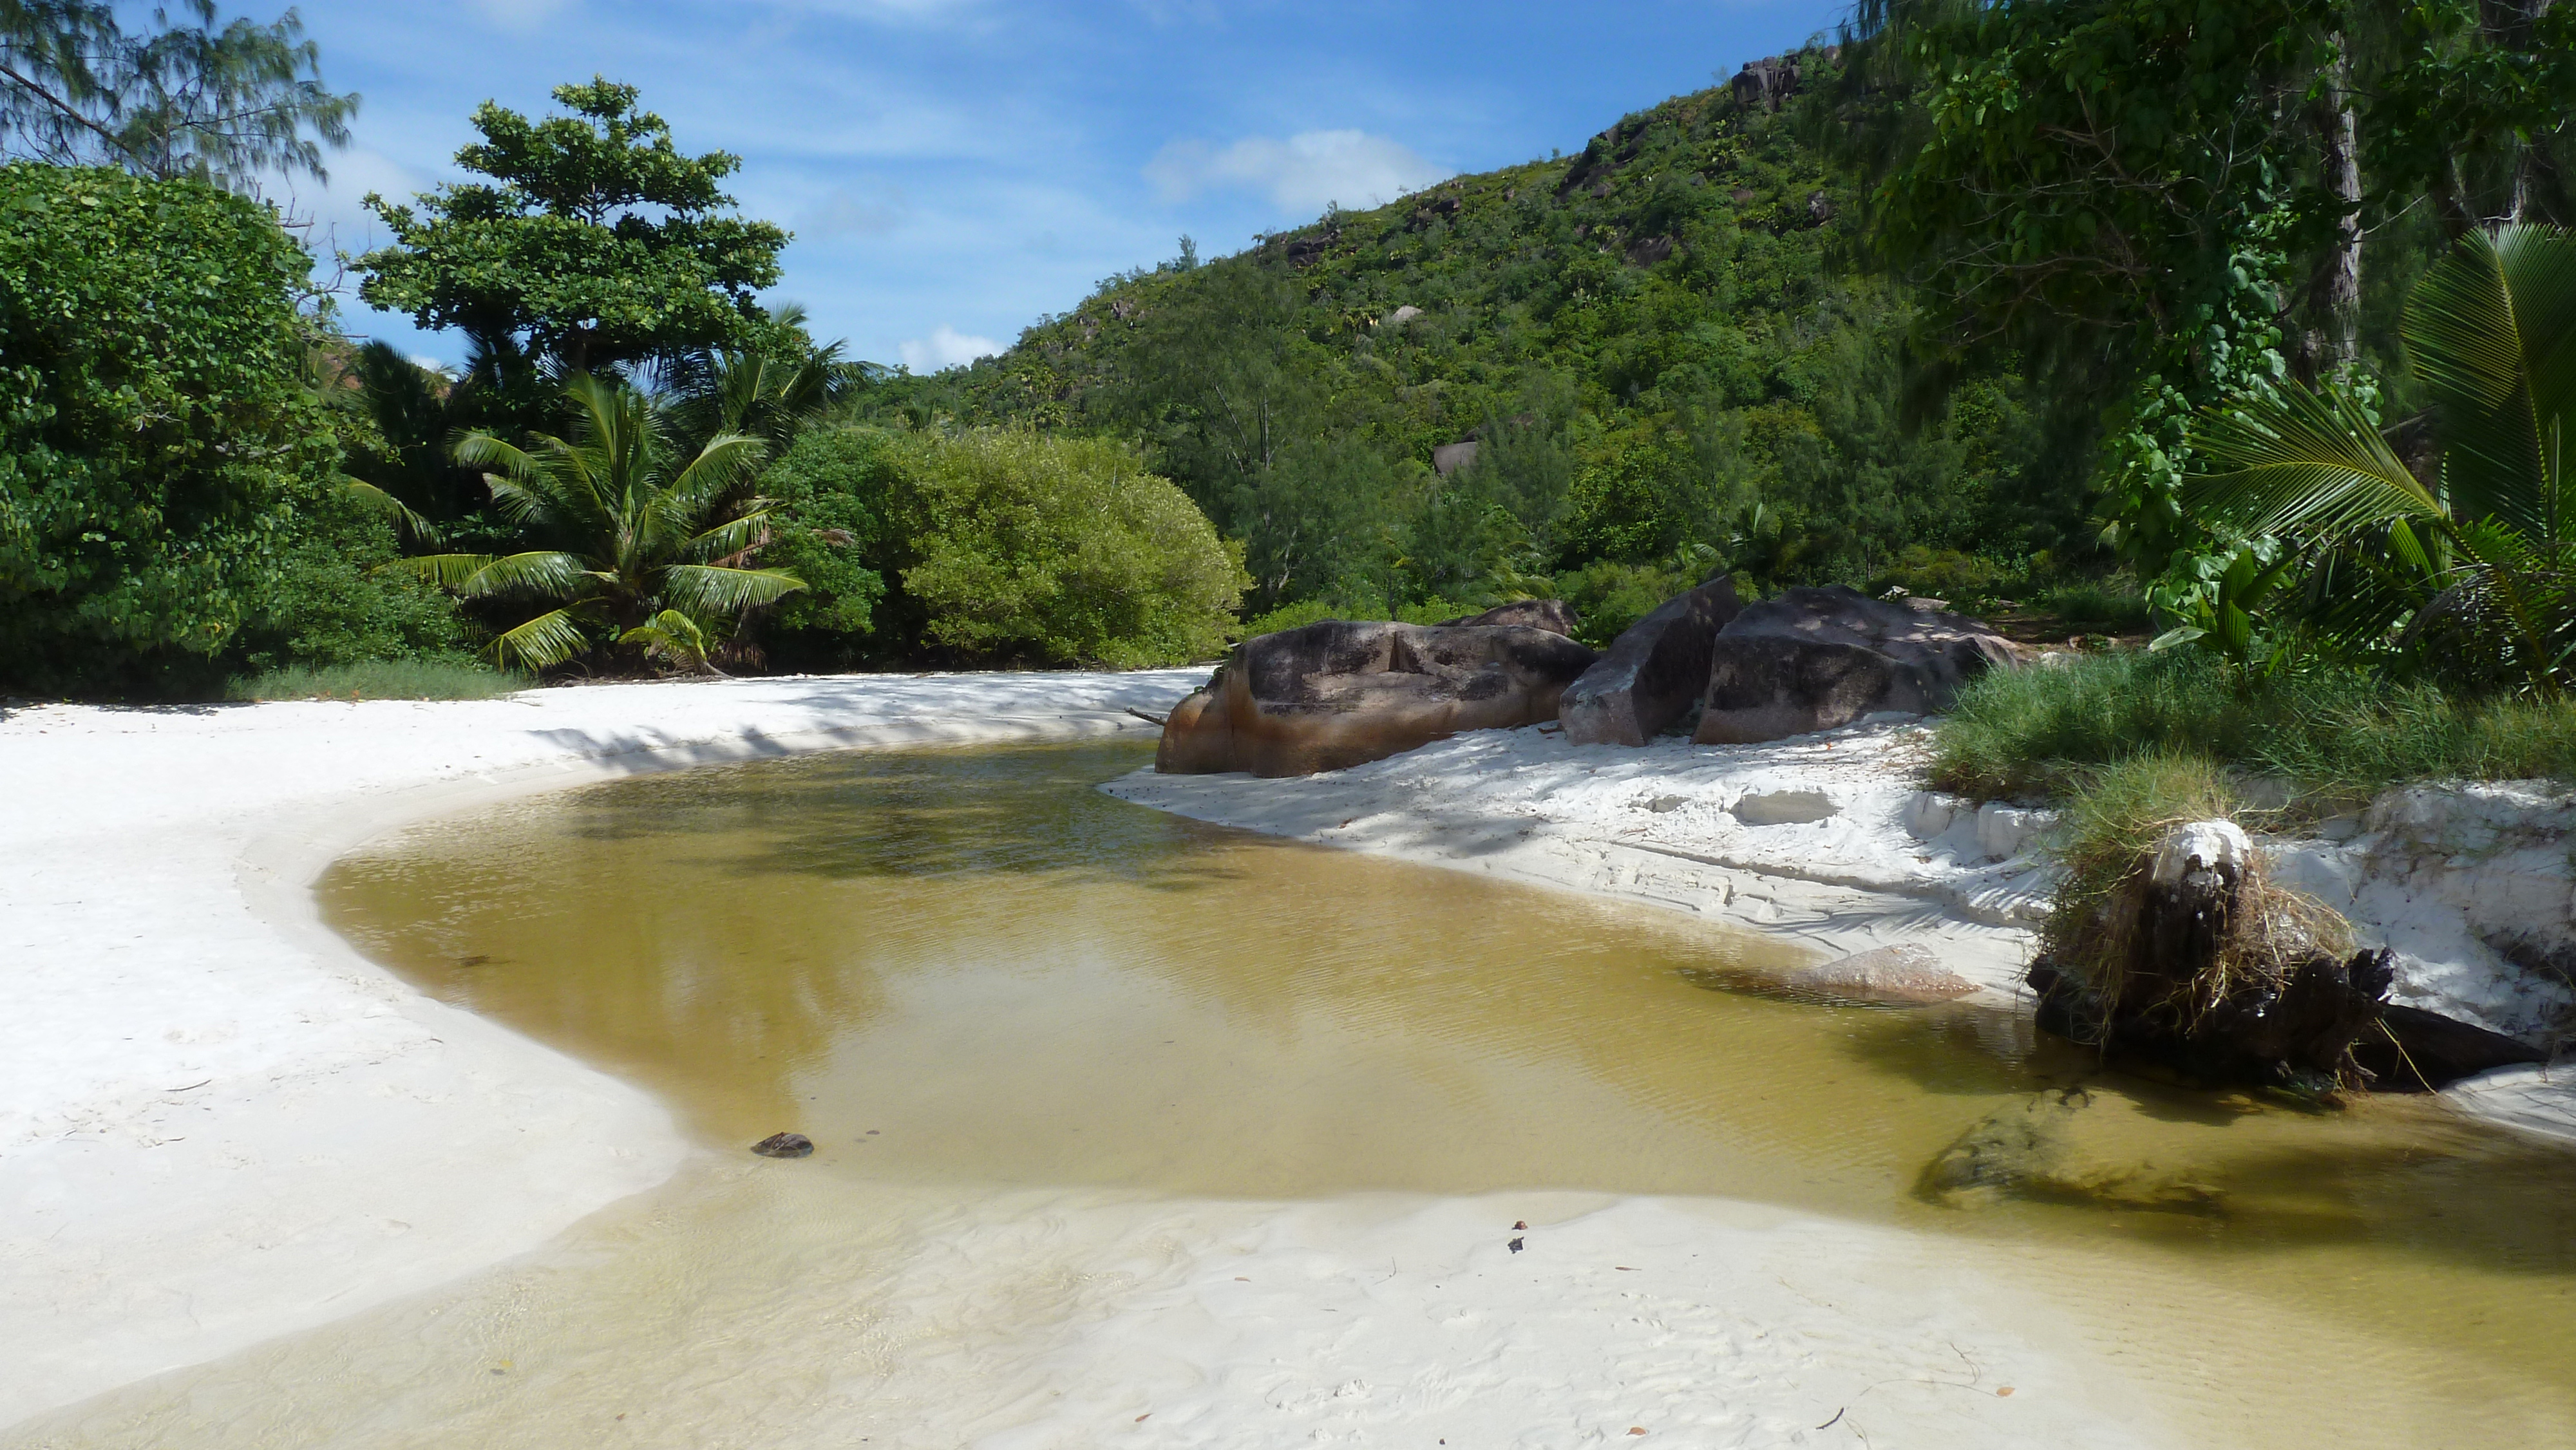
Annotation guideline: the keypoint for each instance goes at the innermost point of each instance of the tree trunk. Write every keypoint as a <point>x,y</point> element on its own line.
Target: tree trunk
<point>2333,338</point>
<point>2507,25</point>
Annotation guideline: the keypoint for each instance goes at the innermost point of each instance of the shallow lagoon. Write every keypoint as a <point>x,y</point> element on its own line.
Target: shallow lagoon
<point>973,979</point>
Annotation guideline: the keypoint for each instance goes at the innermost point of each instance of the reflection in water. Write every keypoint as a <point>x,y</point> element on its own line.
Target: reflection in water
<point>968,971</point>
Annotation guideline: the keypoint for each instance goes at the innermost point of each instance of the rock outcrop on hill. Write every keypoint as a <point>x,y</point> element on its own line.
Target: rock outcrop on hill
<point>1816,658</point>
<point>1656,670</point>
<point>1340,693</point>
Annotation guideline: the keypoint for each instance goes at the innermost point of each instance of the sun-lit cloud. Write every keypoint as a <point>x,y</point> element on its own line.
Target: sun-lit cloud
<point>946,347</point>
<point>1301,174</point>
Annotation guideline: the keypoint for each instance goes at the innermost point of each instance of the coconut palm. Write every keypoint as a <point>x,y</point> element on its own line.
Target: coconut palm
<point>770,394</point>
<point>630,540</point>
<point>2483,555</point>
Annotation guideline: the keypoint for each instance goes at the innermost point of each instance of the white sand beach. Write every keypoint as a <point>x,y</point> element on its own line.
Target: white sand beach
<point>219,1125</point>
<point>217,1122</point>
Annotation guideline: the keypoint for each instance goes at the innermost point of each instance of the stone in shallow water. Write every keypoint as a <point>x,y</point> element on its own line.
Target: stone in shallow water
<point>2038,1151</point>
<point>784,1145</point>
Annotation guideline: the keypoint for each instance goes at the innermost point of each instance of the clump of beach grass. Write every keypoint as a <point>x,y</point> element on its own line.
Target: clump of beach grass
<point>2105,848</point>
<point>2337,736</point>
<point>414,679</point>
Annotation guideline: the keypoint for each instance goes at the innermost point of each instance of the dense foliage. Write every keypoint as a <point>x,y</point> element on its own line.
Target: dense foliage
<point>2472,574</point>
<point>629,537</point>
<point>169,496</point>
<point>1658,347</point>
<point>1061,550</point>
<point>998,545</point>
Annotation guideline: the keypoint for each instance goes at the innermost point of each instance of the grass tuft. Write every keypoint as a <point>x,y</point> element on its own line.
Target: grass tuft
<point>378,680</point>
<point>2105,847</point>
<point>2098,605</point>
<point>2337,737</point>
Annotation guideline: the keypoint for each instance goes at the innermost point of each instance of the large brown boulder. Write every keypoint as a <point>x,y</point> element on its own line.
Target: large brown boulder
<point>1553,615</point>
<point>1340,693</point>
<point>1655,671</point>
<point>1813,659</point>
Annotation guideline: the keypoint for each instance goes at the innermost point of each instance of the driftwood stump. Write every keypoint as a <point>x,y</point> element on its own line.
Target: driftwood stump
<point>2198,989</point>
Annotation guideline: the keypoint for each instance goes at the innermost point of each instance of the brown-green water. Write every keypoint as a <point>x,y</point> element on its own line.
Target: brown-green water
<point>968,971</point>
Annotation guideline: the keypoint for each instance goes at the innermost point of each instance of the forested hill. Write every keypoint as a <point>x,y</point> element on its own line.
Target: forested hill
<point>1664,347</point>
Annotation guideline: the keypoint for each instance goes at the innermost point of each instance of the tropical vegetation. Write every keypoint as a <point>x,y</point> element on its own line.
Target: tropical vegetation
<point>2239,328</point>
<point>638,543</point>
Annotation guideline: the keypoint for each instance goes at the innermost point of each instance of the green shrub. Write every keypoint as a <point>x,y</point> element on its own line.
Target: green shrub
<point>2099,604</point>
<point>1967,581</point>
<point>327,604</point>
<point>830,487</point>
<point>1000,545</point>
<point>1308,611</point>
<point>1608,596</point>
<point>1064,550</point>
<point>2338,735</point>
<point>1300,614</point>
<point>169,487</point>
<point>409,679</point>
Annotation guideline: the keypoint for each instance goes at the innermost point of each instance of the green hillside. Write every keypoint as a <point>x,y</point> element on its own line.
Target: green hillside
<point>1665,346</point>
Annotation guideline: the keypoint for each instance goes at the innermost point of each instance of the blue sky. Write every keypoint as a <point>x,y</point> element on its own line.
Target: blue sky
<point>953,169</point>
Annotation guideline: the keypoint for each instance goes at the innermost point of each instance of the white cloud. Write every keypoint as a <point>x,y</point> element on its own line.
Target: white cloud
<point>1300,174</point>
<point>946,348</point>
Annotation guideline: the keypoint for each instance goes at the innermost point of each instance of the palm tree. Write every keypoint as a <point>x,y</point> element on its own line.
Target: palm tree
<point>768,393</point>
<point>2484,552</point>
<point>630,537</point>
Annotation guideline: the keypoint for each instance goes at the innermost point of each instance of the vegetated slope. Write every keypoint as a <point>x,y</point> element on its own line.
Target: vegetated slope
<point>1663,347</point>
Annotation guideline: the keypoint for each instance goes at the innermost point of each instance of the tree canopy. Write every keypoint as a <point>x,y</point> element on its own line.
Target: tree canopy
<point>597,242</point>
<point>169,475</point>
<point>221,103</point>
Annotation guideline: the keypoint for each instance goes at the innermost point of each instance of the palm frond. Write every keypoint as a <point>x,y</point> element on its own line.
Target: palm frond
<point>2302,462</point>
<point>727,461</point>
<point>546,573</point>
<point>2489,330</point>
<point>672,634</point>
<point>729,538</point>
<point>549,639</point>
<point>447,571</point>
<point>712,589</point>
<point>479,449</point>
<point>411,523</point>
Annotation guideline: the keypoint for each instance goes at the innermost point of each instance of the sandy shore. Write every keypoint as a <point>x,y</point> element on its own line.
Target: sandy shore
<point>1808,838</point>
<point>218,1123</point>
<point>1828,839</point>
